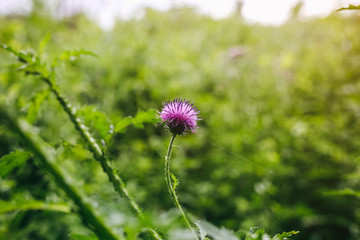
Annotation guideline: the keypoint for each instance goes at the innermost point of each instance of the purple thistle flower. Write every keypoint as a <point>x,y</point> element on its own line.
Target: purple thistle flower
<point>180,116</point>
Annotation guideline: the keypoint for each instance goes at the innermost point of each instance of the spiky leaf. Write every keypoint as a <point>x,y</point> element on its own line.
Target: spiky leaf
<point>12,160</point>
<point>35,104</point>
<point>95,119</point>
<point>75,54</point>
<point>284,235</point>
<point>121,125</point>
<point>175,182</point>
<point>142,117</point>
<point>208,229</point>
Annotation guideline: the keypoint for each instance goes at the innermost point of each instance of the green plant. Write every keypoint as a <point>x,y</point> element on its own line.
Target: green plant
<point>278,146</point>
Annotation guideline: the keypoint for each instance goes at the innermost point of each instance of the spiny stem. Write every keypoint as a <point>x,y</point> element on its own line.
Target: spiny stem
<point>114,178</point>
<point>98,154</point>
<point>171,188</point>
<point>37,146</point>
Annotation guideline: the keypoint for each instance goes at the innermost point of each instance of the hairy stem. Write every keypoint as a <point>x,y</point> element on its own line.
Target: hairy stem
<point>98,154</point>
<point>37,146</point>
<point>171,187</point>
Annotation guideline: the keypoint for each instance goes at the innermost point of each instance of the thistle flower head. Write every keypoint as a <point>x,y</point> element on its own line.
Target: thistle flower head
<point>180,116</point>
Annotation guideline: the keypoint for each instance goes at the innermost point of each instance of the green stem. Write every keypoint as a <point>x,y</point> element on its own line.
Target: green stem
<point>47,158</point>
<point>98,154</point>
<point>171,188</point>
<point>114,178</point>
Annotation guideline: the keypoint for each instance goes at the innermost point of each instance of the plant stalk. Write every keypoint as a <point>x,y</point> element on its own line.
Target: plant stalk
<point>171,188</point>
<point>98,154</point>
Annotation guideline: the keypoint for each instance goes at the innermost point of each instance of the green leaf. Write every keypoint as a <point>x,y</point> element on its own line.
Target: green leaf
<point>32,65</point>
<point>12,160</point>
<point>35,68</point>
<point>138,121</point>
<point>145,117</point>
<point>208,229</point>
<point>95,119</point>
<point>36,101</point>
<point>24,205</point>
<point>75,54</point>
<point>350,7</point>
<point>74,236</point>
<point>257,234</point>
<point>9,48</point>
<point>175,181</point>
<point>284,235</point>
<point>23,56</point>
<point>121,125</point>
<point>43,43</point>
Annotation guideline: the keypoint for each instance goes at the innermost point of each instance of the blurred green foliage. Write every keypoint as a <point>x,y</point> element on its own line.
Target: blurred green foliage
<point>278,146</point>
<point>350,7</point>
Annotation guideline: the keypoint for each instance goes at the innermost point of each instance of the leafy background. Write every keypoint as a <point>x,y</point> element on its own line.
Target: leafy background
<point>278,146</point>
